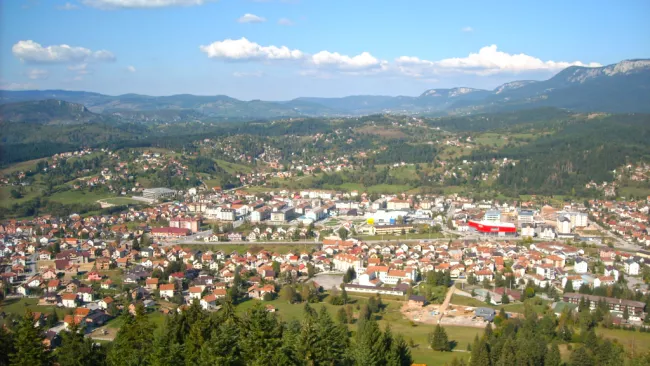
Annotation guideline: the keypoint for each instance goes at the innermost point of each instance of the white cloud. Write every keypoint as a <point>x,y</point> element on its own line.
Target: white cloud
<point>244,74</point>
<point>285,21</point>
<point>67,6</point>
<point>32,52</point>
<point>251,18</point>
<point>130,68</point>
<point>35,74</point>
<point>467,29</point>
<point>334,59</point>
<point>244,50</point>
<point>487,61</point>
<point>133,4</point>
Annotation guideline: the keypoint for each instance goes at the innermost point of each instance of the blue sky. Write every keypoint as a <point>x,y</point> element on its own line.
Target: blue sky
<point>281,49</point>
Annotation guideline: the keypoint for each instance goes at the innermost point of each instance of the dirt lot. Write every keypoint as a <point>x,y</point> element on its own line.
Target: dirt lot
<point>104,333</point>
<point>455,315</point>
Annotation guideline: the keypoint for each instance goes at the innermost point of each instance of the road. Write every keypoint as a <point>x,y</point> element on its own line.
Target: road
<point>443,308</point>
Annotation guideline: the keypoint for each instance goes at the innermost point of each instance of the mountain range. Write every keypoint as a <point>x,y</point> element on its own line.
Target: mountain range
<point>621,87</point>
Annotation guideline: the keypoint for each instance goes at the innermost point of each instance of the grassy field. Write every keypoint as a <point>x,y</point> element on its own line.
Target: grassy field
<point>491,140</point>
<point>122,201</point>
<point>242,248</point>
<point>511,308</point>
<point>78,196</point>
<point>418,333</point>
<point>634,191</point>
<point>233,168</point>
<point>6,200</point>
<point>22,166</point>
<point>18,306</point>
<point>632,341</point>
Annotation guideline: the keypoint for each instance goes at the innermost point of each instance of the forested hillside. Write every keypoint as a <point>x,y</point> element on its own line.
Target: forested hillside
<point>583,151</point>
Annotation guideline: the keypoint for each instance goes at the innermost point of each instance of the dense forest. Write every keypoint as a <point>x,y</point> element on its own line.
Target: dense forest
<point>562,163</point>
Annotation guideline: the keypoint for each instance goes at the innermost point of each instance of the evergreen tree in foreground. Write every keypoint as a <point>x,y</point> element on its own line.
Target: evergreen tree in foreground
<point>438,340</point>
<point>28,344</point>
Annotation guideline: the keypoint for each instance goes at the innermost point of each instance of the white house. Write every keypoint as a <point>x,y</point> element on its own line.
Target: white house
<point>611,271</point>
<point>631,267</point>
<point>580,266</point>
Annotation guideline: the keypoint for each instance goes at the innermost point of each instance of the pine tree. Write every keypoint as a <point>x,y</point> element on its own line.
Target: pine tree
<point>438,340</point>
<point>331,341</point>
<point>77,350</point>
<point>553,357</point>
<point>504,298</point>
<point>193,344</point>
<point>508,353</point>
<point>480,353</point>
<point>344,295</point>
<point>580,357</point>
<point>135,245</point>
<point>591,340</point>
<point>28,342</point>
<point>6,346</point>
<point>368,336</point>
<point>52,319</point>
<point>568,287</point>
<point>262,332</point>
<point>133,344</point>
<point>341,316</point>
<point>400,353</point>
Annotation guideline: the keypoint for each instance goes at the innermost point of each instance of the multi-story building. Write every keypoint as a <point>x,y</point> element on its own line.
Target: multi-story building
<point>342,262</point>
<point>492,216</point>
<point>525,216</point>
<point>633,307</point>
<point>158,193</point>
<point>186,223</point>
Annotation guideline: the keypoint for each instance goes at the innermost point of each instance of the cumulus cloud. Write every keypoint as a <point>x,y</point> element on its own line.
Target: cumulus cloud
<point>487,61</point>
<point>334,59</point>
<point>130,68</point>
<point>244,50</point>
<point>133,4</point>
<point>467,29</point>
<point>251,18</point>
<point>67,6</point>
<point>32,52</point>
<point>285,21</point>
<point>35,74</point>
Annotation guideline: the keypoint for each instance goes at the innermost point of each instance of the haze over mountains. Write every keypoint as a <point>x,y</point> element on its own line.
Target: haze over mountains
<point>621,87</point>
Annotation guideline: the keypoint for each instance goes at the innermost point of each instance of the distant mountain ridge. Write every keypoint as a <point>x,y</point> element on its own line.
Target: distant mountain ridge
<point>48,111</point>
<point>621,87</point>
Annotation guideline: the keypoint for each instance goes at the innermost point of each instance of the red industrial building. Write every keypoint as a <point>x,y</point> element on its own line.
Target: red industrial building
<point>490,227</point>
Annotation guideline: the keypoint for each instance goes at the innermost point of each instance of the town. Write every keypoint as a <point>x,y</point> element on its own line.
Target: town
<point>209,245</point>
